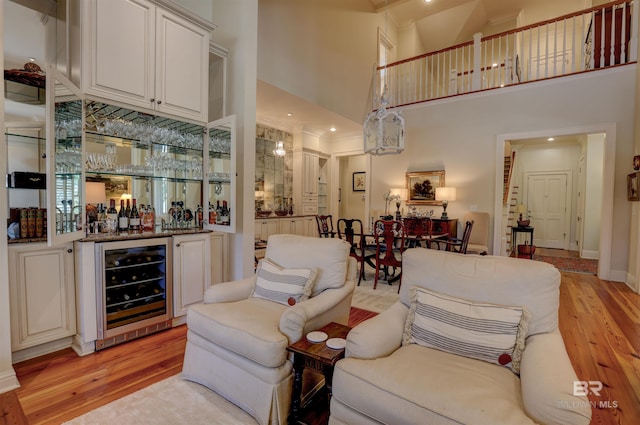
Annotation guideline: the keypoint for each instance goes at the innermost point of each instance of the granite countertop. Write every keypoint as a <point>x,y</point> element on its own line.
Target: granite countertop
<point>105,237</point>
<point>273,215</point>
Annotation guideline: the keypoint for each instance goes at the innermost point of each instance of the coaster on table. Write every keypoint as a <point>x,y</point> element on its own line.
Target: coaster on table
<point>317,336</point>
<point>336,343</point>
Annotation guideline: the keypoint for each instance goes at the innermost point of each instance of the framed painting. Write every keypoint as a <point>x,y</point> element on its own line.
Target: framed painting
<point>421,187</point>
<point>359,181</point>
<point>632,187</point>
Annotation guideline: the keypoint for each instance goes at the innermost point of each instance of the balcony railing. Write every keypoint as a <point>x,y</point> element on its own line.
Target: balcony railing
<point>592,39</point>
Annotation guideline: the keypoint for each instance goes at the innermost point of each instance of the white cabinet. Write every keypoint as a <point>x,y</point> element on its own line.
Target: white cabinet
<point>310,171</point>
<point>42,291</point>
<point>266,227</point>
<point>191,270</point>
<point>143,55</point>
<point>310,174</point>
<point>219,258</point>
<point>303,226</point>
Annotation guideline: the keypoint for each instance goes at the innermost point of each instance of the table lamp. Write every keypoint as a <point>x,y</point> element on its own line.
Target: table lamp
<point>399,195</point>
<point>520,209</point>
<point>445,194</point>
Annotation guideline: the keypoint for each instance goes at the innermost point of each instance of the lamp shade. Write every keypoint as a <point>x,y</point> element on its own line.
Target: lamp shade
<point>445,193</point>
<point>521,209</point>
<point>401,193</point>
<point>95,193</point>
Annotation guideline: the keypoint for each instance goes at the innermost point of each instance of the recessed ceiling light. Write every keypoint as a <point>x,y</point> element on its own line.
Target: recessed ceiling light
<point>495,65</point>
<point>332,129</point>
<point>427,1</point>
<point>32,59</point>
<point>289,114</point>
<point>550,139</point>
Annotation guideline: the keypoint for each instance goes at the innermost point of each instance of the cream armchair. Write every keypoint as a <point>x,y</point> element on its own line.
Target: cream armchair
<point>383,381</point>
<point>236,342</point>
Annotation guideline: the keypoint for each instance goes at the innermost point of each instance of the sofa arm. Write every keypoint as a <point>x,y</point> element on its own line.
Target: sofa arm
<point>547,380</point>
<point>225,292</point>
<point>293,323</point>
<point>378,336</point>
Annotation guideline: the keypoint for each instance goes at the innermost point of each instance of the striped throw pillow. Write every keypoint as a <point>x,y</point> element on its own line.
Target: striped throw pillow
<point>488,332</point>
<point>284,286</point>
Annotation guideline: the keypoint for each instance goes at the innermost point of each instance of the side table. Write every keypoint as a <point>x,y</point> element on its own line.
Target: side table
<point>514,239</point>
<point>316,356</point>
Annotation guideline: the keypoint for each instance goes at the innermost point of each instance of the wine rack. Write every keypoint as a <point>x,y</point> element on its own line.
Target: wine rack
<point>134,288</point>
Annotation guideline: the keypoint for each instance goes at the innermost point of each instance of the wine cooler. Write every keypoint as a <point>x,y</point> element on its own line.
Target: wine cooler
<point>134,289</point>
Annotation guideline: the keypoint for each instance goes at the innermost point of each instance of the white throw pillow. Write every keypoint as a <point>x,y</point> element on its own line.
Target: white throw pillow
<point>284,286</point>
<point>489,332</point>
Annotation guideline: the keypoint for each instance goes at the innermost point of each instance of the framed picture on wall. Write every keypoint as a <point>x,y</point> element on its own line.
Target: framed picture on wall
<point>359,178</point>
<point>421,187</point>
<point>632,187</point>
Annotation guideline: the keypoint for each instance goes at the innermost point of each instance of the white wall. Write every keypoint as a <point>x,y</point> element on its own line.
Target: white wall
<point>459,136</point>
<point>593,194</point>
<point>237,23</point>
<point>322,51</point>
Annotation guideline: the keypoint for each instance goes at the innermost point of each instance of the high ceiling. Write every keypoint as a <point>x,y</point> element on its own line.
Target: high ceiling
<point>439,23</point>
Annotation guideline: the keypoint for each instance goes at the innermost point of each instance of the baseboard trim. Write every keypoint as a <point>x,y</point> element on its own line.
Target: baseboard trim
<point>8,381</point>
<point>40,350</point>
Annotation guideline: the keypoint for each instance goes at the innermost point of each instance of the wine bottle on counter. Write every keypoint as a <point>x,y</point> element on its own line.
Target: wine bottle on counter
<point>123,218</point>
<point>134,218</point>
<point>225,214</point>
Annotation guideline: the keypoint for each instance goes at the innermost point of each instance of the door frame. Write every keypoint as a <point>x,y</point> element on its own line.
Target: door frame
<point>334,207</point>
<point>608,178</point>
<point>566,243</point>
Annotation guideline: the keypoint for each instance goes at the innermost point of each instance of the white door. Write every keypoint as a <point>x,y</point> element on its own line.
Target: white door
<point>546,201</point>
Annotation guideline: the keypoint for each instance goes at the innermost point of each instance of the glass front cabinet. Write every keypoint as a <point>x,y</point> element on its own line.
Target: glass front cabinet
<point>181,175</point>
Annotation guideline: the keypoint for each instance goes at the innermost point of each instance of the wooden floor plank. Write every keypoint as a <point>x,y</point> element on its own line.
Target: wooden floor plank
<point>599,321</point>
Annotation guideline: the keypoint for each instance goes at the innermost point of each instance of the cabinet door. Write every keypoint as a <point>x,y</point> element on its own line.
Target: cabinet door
<point>310,174</point>
<point>182,67</point>
<point>119,51</point>
<point>218,258</point>
<point>266,228</point>
<point>191,270</point>
<point>42,291</point>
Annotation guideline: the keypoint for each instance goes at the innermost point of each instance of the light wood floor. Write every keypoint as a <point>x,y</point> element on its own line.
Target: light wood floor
<point>599,321</point>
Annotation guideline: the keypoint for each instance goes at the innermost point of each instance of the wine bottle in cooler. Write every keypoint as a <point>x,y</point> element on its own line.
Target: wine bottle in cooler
<point>134,218</point>
<point>123,219</point>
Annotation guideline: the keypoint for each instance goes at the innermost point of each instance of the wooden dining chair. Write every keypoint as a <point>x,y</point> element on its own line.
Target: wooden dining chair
<point>459,245</point>
<point>419,230</point>
<point>325,226</point>
<point>390,237</point>
<point>352,231</point>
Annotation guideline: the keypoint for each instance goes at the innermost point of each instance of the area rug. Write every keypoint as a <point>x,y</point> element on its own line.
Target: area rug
<point>168,402</point>
<point>377,300</point>
<point>576,265</point>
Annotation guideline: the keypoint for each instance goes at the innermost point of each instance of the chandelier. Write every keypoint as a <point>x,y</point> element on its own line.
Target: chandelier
<point>279,150</point>
<point>384,130</point>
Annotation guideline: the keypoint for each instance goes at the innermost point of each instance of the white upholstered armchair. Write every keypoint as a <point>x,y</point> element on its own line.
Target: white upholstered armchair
<point>237,338</point>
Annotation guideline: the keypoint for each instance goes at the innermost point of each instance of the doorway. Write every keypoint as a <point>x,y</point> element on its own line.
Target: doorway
<point>600,154</point>
<point>351,201</point>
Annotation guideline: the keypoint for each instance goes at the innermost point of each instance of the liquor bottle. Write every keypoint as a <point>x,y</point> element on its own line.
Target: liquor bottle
<point>218,212</point>
<point>212,214</point>
<point>199,216</point>
<point>149,221</point>
<point>123,219</point>
<point>134,218</point>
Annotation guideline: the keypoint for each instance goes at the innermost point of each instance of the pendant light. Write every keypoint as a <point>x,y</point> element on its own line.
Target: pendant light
<point>384,129</point>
